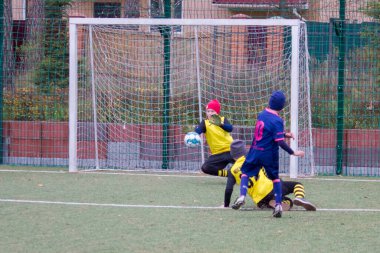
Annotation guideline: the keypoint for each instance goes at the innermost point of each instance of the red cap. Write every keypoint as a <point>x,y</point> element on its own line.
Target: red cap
<point>214,105</point>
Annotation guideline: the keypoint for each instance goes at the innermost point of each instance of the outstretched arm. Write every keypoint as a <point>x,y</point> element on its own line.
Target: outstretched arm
<point>285,147</point>
<point>290,151</point>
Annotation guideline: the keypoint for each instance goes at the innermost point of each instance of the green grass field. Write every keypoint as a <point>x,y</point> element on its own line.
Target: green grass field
<point>48,210</point>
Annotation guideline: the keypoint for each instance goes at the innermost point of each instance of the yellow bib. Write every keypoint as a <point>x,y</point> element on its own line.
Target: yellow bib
<point>217,139</point>
<point>257,190</point>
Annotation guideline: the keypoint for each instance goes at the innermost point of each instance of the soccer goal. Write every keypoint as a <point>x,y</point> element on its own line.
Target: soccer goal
<point>137,86</point>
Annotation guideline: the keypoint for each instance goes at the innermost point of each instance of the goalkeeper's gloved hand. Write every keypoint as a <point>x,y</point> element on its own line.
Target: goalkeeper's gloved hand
<point>216,120</point>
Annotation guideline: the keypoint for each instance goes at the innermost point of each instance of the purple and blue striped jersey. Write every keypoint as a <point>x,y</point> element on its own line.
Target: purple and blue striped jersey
<point>269,131</point>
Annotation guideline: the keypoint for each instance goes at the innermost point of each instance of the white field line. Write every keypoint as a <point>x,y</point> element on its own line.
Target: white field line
<point>23,201</point>
<point>173,174</point>
<point>342,179</point>
<point>44,202</point>
<point>125,172</point>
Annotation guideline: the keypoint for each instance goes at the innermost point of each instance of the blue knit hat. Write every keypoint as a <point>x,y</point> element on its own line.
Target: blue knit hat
<point>277,100</point>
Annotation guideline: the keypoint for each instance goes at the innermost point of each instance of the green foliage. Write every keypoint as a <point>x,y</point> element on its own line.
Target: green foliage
<point>53,71</point>
<point>46,99</point>
<point>373,33</point>
<point>362,86</point>
<point>30,104</point>
<point>358,112</point>
<point>373,9</point>
<point>56,9</point>
<point>134,106</point>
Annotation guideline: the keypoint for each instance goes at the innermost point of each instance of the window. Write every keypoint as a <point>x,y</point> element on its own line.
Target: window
<point>132,8</point>
<point>156,8</point>
<point>157,11</point>
<point>177,9</point>
<point>18,9</point>
<point>107,10</point>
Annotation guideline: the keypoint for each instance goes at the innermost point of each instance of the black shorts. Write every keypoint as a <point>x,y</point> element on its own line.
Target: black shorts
<point>217,162</point>
<point>287,188</point>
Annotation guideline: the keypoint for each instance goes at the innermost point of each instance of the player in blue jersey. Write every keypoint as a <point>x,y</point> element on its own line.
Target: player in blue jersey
<point>260,188</point>
<point>217,131</point>
<point>264,151</point>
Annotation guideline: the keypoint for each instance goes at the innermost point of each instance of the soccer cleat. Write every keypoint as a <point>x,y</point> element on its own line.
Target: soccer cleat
<point>305,204</point>
<point>277,212</point>
<point>239,202</point>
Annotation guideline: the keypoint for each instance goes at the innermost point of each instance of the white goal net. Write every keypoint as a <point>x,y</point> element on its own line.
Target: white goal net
<point>138,85</point>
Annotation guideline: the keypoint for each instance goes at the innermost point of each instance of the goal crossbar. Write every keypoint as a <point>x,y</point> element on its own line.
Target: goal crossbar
<point>186,22</point>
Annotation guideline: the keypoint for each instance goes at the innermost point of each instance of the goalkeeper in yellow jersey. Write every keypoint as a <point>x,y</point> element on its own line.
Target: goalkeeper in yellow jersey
<point>260,189</point>
<point>216,130</point>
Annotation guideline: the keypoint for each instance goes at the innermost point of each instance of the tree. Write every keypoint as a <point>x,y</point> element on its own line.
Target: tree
<point>373,32</point>
<point>8,54</point>
<point>373,9</point>
<point>53,70</point>
<point>32,49</point>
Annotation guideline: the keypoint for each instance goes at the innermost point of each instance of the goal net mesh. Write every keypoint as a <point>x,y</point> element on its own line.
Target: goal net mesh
<point>141,88</point>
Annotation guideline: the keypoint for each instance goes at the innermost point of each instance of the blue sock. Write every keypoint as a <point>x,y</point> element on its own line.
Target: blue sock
<point>243,185</point>
<point>277,191</point>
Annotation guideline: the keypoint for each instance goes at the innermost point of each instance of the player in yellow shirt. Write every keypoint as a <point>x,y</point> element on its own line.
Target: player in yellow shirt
<point>260,188</point>
<point>216,130</point>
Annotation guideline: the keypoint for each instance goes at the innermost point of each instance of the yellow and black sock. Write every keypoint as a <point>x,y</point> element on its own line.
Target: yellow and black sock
<point>299,191</point>
<point>287,202</point>
<point>222,173</point>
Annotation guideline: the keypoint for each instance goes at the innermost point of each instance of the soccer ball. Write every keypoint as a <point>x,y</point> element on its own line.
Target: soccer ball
<point>192,139</point>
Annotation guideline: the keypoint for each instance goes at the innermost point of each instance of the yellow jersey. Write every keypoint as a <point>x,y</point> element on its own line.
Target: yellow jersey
<point>257,188</point>
<point>217,138</point>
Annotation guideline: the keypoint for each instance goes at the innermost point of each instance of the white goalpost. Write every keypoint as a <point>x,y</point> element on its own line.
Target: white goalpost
<point>138,85</point>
